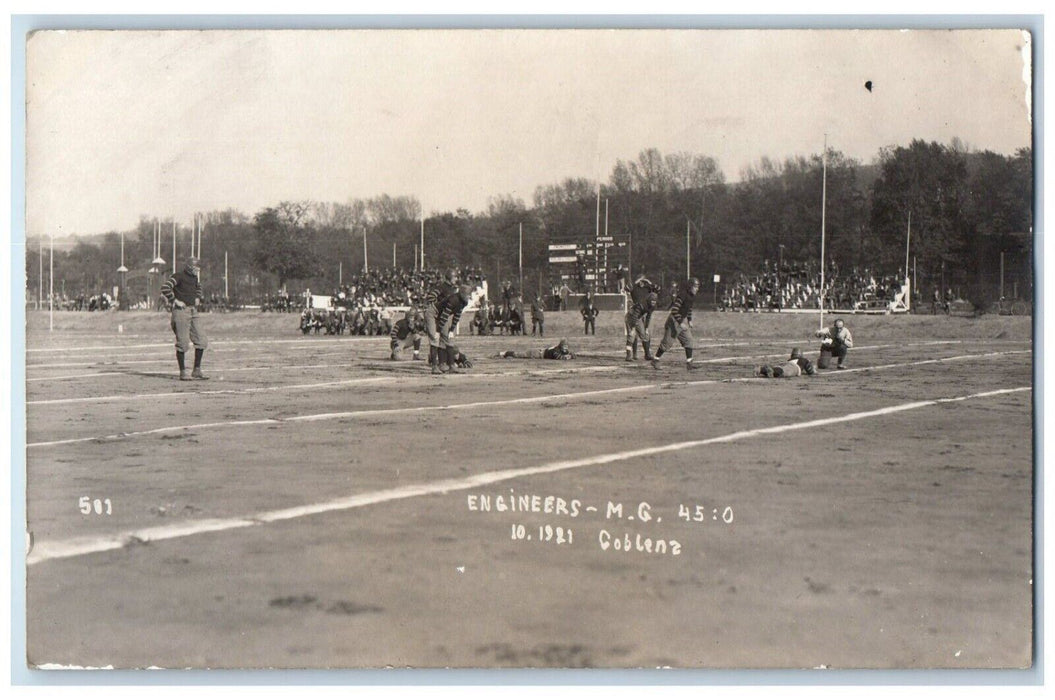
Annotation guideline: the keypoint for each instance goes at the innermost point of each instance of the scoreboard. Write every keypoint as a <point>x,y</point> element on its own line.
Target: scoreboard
<point>588,263</point>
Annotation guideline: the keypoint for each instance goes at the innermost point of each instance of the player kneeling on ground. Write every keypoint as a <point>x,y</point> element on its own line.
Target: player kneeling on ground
<point>835,342</point>
<point>796,366</point>
<point>406,332</point>
<point>448,312</point>
<point>679,323</point>
<point>560,351</point>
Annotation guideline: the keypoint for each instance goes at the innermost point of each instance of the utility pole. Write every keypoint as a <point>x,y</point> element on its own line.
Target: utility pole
<point>688,250</point>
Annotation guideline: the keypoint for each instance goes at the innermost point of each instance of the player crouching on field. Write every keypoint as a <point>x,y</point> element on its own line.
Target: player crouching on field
<point>679,323</point>
<point>560,351</point>
<point>796,366</point>
<point>448,312</point>
<point>406,332</point>
<point>835,341</point>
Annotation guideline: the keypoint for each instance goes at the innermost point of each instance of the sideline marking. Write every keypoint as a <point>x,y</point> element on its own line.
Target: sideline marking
<point>44,551</point>
<point>474,404</point>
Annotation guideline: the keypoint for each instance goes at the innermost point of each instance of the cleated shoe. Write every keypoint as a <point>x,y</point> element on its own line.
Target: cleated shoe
<point>840,367</point>
<point>184,375</point>
<point>436,369</point>
<point>691,366</point>
<point>655,363</point>
<point>197,374</point>
<point>629,358</point>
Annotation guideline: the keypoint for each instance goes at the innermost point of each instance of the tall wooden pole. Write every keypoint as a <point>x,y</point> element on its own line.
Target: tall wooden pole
<point>51,286</point>
<point>908,239</point>
<point>521,258</point>
<point>824,202</point>
<point>366,261</point>
<point>688,250</point>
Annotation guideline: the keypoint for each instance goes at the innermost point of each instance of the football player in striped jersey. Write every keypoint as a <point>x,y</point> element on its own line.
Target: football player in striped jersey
<point>679,323</point>
<point>444,288</point>
<point>448,313</point>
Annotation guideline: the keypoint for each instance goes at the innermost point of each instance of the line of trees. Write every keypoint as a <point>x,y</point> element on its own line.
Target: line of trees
<point>966,208</point>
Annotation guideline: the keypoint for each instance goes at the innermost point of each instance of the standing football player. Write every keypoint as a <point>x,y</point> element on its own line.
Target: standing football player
<point>640,292</point>
<point>183,292</point>
<point>637,328</point>
<point>679,323</point>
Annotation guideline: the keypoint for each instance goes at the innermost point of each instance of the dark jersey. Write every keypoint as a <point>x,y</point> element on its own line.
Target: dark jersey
<point>641,289</point>
<point>183,286</point>
<point>449,309</point>
<point>805,365</point>
<point>537,310</point>
<point>636,313</point>
<point>554,353</point>
<point>681,309</point>
<point>404,328</point>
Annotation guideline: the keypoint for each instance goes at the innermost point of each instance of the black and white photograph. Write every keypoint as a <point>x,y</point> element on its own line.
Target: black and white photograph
<point>529,348</point>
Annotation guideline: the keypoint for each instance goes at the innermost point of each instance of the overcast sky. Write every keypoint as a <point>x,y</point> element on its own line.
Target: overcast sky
<point>123,124</point>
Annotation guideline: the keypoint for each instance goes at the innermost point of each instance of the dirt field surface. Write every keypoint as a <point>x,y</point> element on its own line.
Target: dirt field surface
<point>316,505</point>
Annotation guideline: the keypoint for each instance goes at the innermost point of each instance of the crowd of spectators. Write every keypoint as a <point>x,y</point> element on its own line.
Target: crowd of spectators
<point>395,287</point>
<point>82,302</point>
<point>377,288</point>
<point>798,286</point>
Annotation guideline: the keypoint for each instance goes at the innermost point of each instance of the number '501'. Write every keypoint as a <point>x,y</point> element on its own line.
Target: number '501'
<point>98,506</point>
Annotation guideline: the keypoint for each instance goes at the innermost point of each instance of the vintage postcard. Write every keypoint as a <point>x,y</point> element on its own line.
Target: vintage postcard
<point>512,348</point>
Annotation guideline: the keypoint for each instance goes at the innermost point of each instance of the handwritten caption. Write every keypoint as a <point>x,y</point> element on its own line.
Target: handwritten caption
<point>574,522</point>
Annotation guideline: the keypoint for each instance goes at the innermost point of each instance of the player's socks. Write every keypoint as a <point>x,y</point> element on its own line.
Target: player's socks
<point>180,361</point>
<point>648,349</point>
<point>688,354</point>
<point>198,352</point>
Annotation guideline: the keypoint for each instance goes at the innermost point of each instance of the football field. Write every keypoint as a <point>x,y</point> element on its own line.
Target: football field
<point>317,505</point>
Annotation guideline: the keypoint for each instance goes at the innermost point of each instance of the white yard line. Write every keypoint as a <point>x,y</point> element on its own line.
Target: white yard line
<point>462,406</point>
<point>45,551</point>
<point>213,392</point>
<point>211,368</point>
<point>319,340</point>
